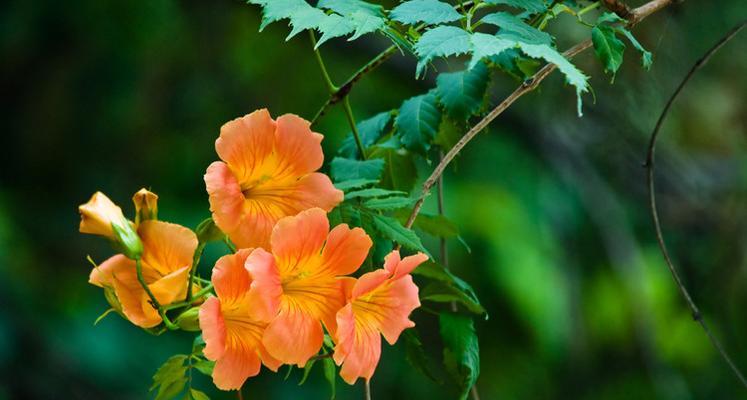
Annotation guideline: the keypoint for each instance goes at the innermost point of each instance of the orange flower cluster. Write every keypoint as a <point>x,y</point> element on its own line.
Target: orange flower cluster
<point>288,283</point>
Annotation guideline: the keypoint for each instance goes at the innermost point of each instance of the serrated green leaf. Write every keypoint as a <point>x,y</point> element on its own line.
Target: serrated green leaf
<point>441,41</point>
<point>372,192</point>
<point>205,367</point>
<point>442,293</point>
<point>391,229</point>
<point>169,390</point>
<point>355,184</point>
<point>431,12</point>
<point>334,26</point>
<point>365,23</point>
<point>390,203</point>
<point>415,354</point>
<point>572,74</point>
<point>513,28</point>
<point>484,45</point>
<point>330,374</point>
<point>345,169</point>
<point>462,93</point>
<point>305,18</point>
<point>516,64</point>
<point>399,168</point>
<point>461,350</point>
<point>370,130</point>
<point>349,7</point>
<point>646,58</point>
<point>169,371</point>
<point>436,225</point>
<point>608,48</point>
<point>533,6</point>
<point>417,121</point>
<point>198,395</point>
<point>275,10</point>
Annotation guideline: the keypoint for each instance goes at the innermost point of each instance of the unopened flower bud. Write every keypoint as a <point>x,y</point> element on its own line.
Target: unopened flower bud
<point>127,240</point>
<point>207,231</point>
<point>146,205</point>
<point>189,320</point>
<point>100,216</point>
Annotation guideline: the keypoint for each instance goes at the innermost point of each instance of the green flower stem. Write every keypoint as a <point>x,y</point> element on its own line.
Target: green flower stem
<point>202,293</point>
<point>588,8</point>
<point>195,262</point>
<point>354,127</point>
<point>332,91</point>
<point>154,302</point>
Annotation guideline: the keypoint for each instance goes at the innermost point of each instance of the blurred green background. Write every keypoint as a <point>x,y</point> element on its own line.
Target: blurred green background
<point>115,96</point>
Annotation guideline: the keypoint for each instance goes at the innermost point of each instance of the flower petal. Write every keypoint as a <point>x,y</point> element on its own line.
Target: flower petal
<point>230,279</point>
<point>266,290</point>
<point>298,149</point>
<point>98,215</point>
<point>166,247</point>
<point>226,199</point>
<point>397,303</point>
<point>297,241</point>
<point>402,267</point>
<point>369,281</point>
<point>104,274</point>
<point>213,328</point>
<point>293,337</point>
<point>245,144</point>
<point>234,367</point>
<point>345,250</point>
<point>358,348</point>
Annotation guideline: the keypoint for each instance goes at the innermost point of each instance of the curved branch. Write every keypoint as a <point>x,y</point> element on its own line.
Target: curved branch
<point>649,165</point>
<point>530,84</point>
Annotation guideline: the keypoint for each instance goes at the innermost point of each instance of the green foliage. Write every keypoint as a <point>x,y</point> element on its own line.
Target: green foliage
<point>446,287</point>
<point>333,26</point>
<point>461,350</point>
<point>350,7</point>
<point>194,394</point>
<point>415,354</point>
<point>533,6</point>
<point>417,121</point>
<point>393,230</point>
<point>355,184</point>
<point>513,28</point>
<point>370,131</point>
<point>330,374</point>
<point>441,41</point>
<point>389,203</point>
<point>399,170</point>
<point>345,169</point>
<point>484,45</point>
<point>431,12</point>
<point>462,93</point>
<point>170,378</point>
<point>371,192</point>
<point>436,225</point>
<point>608,48</point>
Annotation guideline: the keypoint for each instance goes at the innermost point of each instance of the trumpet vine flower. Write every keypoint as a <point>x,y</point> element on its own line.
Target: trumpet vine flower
<point>230,327</point>
<point>266,173</point>
<point>379,303</point>
<point>299,286</point>
<point>166,261</point>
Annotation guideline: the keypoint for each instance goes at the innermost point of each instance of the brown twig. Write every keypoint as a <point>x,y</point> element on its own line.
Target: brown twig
<point>530,84</point>
<point>649,165</point>
<point>618,7</point>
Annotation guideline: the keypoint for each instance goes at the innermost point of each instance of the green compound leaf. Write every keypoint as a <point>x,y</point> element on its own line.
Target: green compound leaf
<point>390,203</point>
<point>572,74</point>
<point>646,58</point>
<point>198,395</point>
<point>441,41</point>
<point>334,26</point>
<point>305,18</point>
<point>431,12</point>
<point>608,48</point>
<point>349,7</point>
<point>370,131</point>
<point>484,45</point>
<point>365,23</point>
<point>391,229</point>
<point>372,192</point>
<point>344,169</point>
<point>400,172</point>
<point>462,93</point>
<point>355,184</point>
<point>170,378</point>
<point>461,350</point>
<point>533,6</point>
<point>447,287</point>
<point>415,354</point>
<point>417,121</point>
<point>513,28</point>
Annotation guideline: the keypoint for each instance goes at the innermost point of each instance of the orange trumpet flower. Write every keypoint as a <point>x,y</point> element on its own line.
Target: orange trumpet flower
<point>380,302</point>
<point>299,285</point>
<point>267,173</point>
<point>230,328</point>
<point>166,260</point>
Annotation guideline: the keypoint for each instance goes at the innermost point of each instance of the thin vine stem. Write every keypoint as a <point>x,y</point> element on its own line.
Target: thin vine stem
<point>367,389</point>
<point>527,86</point>
<point>354,127</point>
<point>154,302</point>
<point>649,166</point>
<point>193,269</point>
